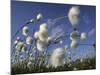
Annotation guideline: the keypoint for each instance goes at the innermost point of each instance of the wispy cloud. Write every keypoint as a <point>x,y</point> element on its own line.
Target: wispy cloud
<point>91,32</point>
<point>55,30</point>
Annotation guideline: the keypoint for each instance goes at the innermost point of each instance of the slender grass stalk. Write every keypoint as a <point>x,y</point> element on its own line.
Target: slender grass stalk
<point>59,18</point>
<point>26,24</point>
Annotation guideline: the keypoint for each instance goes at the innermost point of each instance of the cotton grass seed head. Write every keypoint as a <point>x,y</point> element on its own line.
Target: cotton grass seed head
<point>41,45</point>
<point>49,39</point>
<point>66,47</point>
<point>31,21</point>
<point>18,39</point>
<point>73,15</point>
<point>57,57</point>
<point>29,64</point>
<point>75,69</point>
<point>36,35</point>
<point>24,48</point>
<point>19,46</point>
<point>83,36</point>
<point>25,30</point>
<point>29,40</point>
<point>15,42</point>
<point>73,44</point>
<point>73,35</point>
<point>39,17</point>
<point>43,36</point>
<point>44,27</point>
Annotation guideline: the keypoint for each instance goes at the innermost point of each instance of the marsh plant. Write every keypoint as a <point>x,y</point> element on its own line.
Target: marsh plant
<point>30,52</point>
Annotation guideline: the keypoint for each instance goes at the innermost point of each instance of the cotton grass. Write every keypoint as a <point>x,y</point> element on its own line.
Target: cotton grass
<point>73,15</point>
<point>57,57</point>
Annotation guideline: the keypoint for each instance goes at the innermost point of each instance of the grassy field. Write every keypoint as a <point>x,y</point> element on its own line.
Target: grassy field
<point>22,68</point>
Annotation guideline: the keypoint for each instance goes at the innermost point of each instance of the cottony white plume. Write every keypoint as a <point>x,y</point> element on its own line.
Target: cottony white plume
<point>73,35</point>
<point>81,60</point>
<point>39,17</point>
<point>49,39</point>
<point>73,44</point>
<point>42,35</point>
<point>44,27</point>
<point>19,45</point>
<point>29,64</point>
<point>25,30</point>
<point>73,15</point>
<point>83,36</point>
<point>66,47</point>
<point>36,34</point>
<point>29,40</point>
<point>24,48</point>
<point>41,45</point>
<point>57,57</point>
<point>75,69</point>
<point>18,39</point>
<point>15,42</point>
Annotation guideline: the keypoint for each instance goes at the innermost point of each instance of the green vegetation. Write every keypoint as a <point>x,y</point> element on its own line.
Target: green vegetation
<point>22,68</point>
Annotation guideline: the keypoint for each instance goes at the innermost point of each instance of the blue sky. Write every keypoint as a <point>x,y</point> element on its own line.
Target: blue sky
<point>23,11</point>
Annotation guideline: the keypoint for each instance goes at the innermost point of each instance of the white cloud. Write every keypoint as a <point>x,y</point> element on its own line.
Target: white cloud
<point>91,32</point>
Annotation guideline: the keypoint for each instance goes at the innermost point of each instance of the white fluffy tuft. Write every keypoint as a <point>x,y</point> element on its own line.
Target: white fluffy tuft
<point>25,30</point>
<point>73,44</point>
<point>73,15</point>
<point>83,36</point>
<point>57,57</point>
